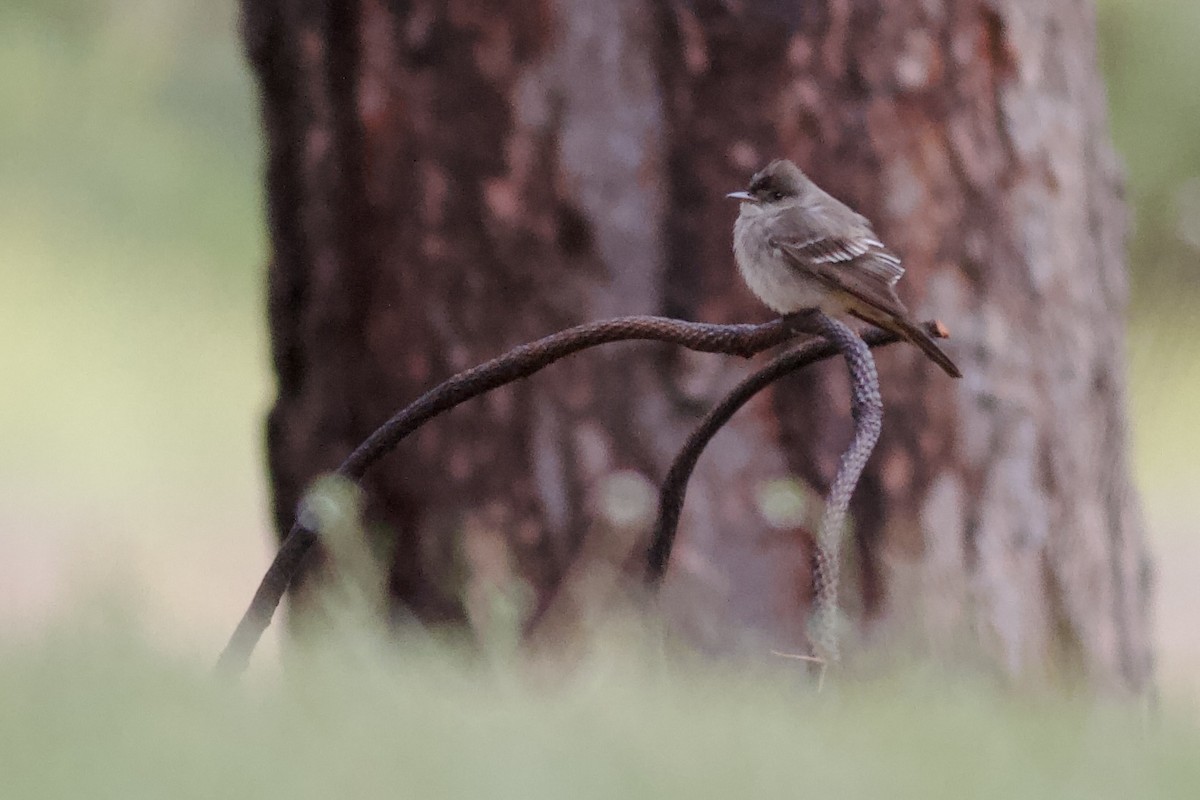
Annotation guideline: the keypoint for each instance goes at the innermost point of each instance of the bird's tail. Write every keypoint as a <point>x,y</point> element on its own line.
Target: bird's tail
<point>919,337</point>
<point>928,346</point>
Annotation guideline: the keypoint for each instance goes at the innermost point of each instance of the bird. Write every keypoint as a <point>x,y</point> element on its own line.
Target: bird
<point>798,248</point>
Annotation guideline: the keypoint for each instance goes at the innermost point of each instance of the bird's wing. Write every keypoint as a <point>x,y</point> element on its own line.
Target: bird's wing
<point>856,263</point>
<point>866,253</point>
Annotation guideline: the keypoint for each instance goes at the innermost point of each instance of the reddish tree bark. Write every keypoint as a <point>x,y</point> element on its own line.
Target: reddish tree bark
<point>446,180</point>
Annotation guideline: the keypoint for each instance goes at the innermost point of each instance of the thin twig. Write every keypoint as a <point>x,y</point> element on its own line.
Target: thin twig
<point>520,362</point>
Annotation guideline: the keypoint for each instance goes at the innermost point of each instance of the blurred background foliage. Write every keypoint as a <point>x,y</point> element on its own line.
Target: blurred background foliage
<point>133,350</point>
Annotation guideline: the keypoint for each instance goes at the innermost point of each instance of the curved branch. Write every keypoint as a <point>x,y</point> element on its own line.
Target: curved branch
<point>674,488</point>
<point>520,362</point>
<point>866,406</point>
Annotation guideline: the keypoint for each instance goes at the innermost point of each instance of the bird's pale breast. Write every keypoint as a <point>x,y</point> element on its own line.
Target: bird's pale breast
<point>769,273</point>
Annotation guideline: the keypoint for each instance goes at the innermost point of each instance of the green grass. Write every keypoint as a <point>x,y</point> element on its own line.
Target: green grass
<point>95,713</point>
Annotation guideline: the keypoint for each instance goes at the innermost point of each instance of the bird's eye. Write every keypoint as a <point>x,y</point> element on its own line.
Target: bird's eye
<point>776,195</point>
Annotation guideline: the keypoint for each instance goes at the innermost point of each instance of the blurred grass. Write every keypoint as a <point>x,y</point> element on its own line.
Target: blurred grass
<point>133,353</point>
<point>96,713</point>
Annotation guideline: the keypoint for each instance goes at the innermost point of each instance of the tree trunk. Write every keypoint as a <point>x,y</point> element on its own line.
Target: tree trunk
<point>449,179</point>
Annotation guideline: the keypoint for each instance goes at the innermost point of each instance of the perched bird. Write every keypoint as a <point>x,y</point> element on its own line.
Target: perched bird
<point>799,248</point>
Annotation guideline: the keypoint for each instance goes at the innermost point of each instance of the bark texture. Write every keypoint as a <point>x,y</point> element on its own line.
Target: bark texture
<point>448,179</point>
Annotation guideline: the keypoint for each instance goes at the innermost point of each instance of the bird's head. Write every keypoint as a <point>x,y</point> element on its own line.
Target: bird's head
<point>777,182</point>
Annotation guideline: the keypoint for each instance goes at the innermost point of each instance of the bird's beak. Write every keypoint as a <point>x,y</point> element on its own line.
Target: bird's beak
<point>745,197</point>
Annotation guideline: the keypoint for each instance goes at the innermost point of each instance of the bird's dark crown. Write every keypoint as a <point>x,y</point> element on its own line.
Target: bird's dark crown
<point>776,181</point>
